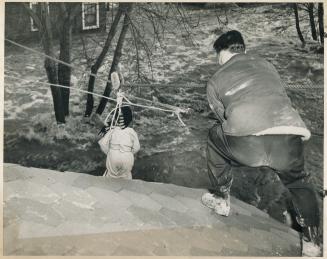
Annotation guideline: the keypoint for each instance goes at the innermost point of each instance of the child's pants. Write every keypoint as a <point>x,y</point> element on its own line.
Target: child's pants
<point>119,164</point>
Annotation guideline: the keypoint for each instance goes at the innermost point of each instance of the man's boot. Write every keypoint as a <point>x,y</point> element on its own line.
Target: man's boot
<point>305,213</point>
<point>221,205</point>
<point>310,243</point>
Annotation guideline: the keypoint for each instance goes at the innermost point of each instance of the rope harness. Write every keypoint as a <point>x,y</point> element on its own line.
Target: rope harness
<point>116,110</point>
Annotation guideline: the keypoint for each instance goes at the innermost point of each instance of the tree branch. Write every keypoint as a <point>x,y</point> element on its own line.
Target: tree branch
<point>34,16</point>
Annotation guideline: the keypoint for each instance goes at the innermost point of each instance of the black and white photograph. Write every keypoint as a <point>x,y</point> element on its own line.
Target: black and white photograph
<point>163,129</point>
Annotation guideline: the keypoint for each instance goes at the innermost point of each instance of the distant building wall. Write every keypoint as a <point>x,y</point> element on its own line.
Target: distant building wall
<point>19,26</point>
<point>18,23</point>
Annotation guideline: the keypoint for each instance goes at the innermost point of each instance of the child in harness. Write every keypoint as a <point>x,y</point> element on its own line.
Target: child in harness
<point>120,144</point>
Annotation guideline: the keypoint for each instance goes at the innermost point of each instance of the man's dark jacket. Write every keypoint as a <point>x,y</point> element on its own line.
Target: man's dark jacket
<point>249,98</point>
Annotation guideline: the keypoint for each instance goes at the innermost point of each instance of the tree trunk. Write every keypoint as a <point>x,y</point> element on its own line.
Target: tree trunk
<point>115,61</point>
<point>50,65</point>
<point>321,21</point>
<point>297,24</point>
<point>60,75</point>
<point>67,14</point>
<point>51,69</point>
<point>312,22</point>
<point>95,67</point>
<point>64,72</point>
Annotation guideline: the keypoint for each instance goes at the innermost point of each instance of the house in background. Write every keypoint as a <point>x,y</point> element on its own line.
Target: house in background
<point>20,26</point>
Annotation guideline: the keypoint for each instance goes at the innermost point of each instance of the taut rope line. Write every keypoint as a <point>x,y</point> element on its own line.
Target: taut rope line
<point>289,86</point>
<point>86,72</point>
<point>78,69</point>
<point>49,57</point>
<point>175,111</point>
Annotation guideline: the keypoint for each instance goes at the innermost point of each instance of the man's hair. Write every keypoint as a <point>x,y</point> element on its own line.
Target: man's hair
<point>232,41</point>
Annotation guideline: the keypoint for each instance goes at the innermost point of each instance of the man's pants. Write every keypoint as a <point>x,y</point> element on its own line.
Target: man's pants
<point>282,153</point>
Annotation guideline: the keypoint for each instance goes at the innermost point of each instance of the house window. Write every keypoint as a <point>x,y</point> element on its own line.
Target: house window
<point>90,16</point>
<point>36,9</point>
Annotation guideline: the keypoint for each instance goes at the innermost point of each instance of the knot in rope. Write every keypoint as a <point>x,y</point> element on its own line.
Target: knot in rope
<point>117,109</point>
<point>120,97</point>
<point>178,111</point>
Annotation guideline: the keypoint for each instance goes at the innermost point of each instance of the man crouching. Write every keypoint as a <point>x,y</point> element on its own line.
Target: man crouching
<point>257,127</point>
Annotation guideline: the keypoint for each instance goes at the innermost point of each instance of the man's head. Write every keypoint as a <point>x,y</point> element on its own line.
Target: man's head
<point>229,44</point>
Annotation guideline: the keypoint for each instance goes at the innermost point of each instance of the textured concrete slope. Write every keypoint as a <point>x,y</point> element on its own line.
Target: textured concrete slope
<point>63,213</point>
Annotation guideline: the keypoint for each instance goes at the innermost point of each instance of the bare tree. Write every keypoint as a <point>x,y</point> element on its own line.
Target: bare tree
<point>312,21</point>
<point>116,58</point>
<point>297,23</point>
<point>95,67</point>
<point>61,75</point>
<point>67,14</point>
<point>321,21</point>
<point>147,23</point>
